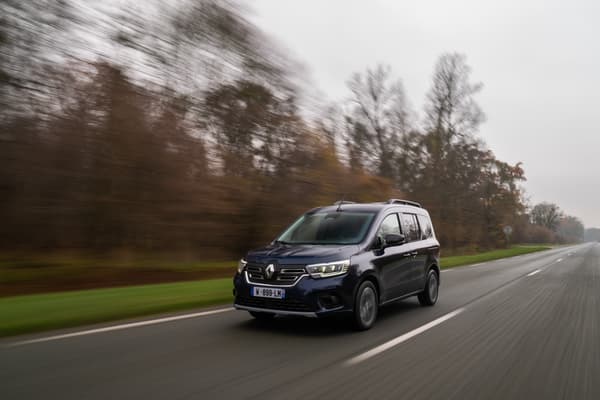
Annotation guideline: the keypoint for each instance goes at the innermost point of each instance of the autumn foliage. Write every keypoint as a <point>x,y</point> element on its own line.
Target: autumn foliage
<point>190,136</point>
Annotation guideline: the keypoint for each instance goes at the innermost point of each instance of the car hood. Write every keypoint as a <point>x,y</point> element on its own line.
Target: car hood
<point>300,254</point>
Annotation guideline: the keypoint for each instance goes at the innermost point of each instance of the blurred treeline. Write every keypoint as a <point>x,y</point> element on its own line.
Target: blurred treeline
<point>180,127</point>
<point>592,235</point>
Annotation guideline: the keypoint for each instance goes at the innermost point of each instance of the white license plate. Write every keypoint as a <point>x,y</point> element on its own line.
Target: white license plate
<point>272,293</point>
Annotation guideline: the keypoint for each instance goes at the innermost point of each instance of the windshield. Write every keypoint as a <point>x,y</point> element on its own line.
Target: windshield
<point>329,228</point>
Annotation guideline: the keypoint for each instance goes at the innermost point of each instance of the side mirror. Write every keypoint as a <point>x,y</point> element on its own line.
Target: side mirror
<point>377,243</point>
<point>394,239</point>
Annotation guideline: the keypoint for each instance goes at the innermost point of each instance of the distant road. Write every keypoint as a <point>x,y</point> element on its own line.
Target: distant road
<point>520,328</point>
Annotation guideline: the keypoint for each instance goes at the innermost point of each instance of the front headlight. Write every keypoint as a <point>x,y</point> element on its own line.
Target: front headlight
<point>241,265</point>
<point>328,269</point>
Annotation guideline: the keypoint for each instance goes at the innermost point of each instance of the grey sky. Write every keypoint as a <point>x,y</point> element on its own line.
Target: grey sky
<point>539,61</point>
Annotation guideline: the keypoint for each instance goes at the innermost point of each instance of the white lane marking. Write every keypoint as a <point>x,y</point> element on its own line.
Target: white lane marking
<point>467,266</point>
<point>402,338</point>
<point>534,272</point>
<point>122,326</point>
<point>559,260</point>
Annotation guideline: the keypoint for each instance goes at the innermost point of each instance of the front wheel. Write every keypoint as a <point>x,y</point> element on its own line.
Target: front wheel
<point>429,295</point>
<point>366,306</point>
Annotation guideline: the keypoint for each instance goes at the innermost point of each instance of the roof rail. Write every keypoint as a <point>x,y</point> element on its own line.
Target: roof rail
<point>405,202</point>
<point>340,202</point>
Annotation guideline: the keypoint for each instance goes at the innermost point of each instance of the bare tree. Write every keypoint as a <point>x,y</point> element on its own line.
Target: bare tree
<point>379,117</point>
<point>447,157</point>
<point>30,36</point>
<point>450,108</point>
<point>547,215</point>
<point>331,124</point>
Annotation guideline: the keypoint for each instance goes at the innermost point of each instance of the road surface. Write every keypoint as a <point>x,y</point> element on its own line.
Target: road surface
<point>520,328</point>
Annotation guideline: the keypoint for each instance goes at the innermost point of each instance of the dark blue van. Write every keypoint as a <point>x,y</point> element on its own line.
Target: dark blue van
<point>347,258</point>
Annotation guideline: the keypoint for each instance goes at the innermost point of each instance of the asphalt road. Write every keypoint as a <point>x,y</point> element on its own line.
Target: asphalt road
<point>521,328</point>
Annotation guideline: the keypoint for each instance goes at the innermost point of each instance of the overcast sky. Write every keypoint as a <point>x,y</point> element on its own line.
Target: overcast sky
<point>539,61</point>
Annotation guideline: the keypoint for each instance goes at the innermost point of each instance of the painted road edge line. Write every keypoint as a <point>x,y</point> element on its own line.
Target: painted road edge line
<point>400,339</point>
<point>121,326</point>
<point>534,272</point>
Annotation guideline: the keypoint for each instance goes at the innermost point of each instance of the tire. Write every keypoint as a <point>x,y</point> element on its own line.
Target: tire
<point>429,295</point>
<point>366,306</point>
<point>262,316</point>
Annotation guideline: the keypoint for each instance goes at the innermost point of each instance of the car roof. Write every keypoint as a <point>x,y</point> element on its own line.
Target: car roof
<point>369,207</point>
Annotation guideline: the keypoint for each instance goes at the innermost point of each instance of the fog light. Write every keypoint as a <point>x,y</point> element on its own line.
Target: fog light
<point>329,301</point>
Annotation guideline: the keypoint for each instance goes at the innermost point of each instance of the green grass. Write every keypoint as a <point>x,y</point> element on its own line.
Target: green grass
<point>456,261</point>
<point>39,312</point>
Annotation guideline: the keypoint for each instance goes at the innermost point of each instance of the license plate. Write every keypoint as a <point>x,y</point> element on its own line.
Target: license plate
<point>272,293</point>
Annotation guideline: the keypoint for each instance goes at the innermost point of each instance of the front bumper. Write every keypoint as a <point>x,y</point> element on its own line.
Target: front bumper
<point>308,297</point>
<point>275,311</point>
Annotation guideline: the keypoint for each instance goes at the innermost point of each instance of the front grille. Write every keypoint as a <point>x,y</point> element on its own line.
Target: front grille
<point>273,304</point>
<point>283,275</point>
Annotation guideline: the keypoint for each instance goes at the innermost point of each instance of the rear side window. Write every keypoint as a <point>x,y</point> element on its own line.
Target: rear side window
<point>426,227</point>
<point>411,227</point>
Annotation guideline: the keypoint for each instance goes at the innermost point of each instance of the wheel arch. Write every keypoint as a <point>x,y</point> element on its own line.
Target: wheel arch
<point>437,270</point>
<point>371,277</point>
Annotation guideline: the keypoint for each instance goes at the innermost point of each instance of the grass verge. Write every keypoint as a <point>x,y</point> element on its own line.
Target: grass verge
<point>39,312</point>
<point>25,274</point>
<point>456,261</point>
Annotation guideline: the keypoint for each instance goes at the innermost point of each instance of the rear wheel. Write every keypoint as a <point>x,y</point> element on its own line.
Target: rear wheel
<point>429,295</point>
<point>262,316</point>
<point>366,306</point>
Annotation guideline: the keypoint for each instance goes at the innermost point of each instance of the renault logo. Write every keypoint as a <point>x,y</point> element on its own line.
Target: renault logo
<point>269,271</point>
